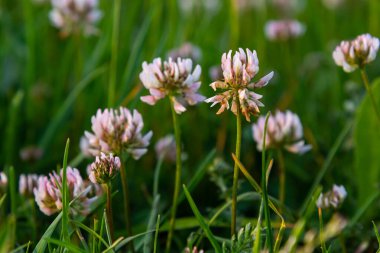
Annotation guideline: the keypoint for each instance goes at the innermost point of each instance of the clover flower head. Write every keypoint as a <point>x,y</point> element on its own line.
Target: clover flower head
<point>174,78</point>
<point>194,250</point>
<point>3,182</point>
<point>166,148</point>
<point>74,15</point>
<point>186,50</point>
<point>48,194</point>
<point>356,53</point>
<point>284,130</point>
<point>104,168</point>
<point>27,183</point>
<point>238,72</point>
<point>283,30</point>
<point>332,4</point>
<point>333,198</point>
<point>31,153</point>
<point>116,131</point>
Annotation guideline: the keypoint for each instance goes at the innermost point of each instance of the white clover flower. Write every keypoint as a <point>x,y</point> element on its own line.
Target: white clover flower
<point>116,131</point>
<point>186,50</point>
<point>75,15</point>
<point>166,148</point>
<point>194,250</point>
<point>3,182</point>
<point>48,194</point>
<point>356,53</point>
<point>333,198</point>
<point>284,130</point>
<point>104,168</point>
<point>176,79</point>
<point>283,30</point>
<point>238,72</point>
<point>27,184</point>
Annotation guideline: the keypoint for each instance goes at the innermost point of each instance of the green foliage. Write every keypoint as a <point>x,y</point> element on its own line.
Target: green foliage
<point>367,147</point>
<point>242,243</point>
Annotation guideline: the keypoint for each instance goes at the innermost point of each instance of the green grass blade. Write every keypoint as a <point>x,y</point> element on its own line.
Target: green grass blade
<point>65,196</point>
<point>202,222</point>
<point>59,116</point>
<point>67,246</point>
<point>156,234</point>
<point>12,189</point>
<point>377,234</point>
<point>131,238</point>
<point>41,245</point>
<point>91,232</point>
<point>11,129</point>
<point>264,189</point>
<point>151,224</point>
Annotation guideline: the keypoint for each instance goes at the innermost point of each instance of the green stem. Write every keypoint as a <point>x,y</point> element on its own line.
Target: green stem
<point>109,208</point>
<point>265,192</point>
<point>323,245</point>
<point>177,186</point>
<point>127,215</point>
<point>369,91</point>
<point>114,52</point>
<point>281,165</point>
<point>236,169</point>
<point>234,24</point>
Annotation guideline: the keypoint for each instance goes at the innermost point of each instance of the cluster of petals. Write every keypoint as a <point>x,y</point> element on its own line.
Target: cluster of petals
<point>71,15</point>
<point>238,72</point>
<point>116,131</point>
<point>333,198</point>
<point>356,53</point>
<point>104,168</point>
<point>173,78</point>
<point>27,183</point>
<point>48,195</point>
<point>194,250</point>
<point>284,130</point>
<point>283,30</point>
<point>3,182</point>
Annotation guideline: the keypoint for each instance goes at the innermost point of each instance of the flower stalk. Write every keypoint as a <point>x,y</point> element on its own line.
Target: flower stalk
<point>281,165</point>
<point>236,171</point>
<point>108,188</point>
<point>323,244</point>
<point>364,76</point>
<point>177,134</point>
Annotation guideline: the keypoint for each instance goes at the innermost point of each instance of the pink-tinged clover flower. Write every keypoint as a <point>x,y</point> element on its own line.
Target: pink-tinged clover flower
<point>3,182</point>
<point>175,79</point>
<point>48,195</point>
<point>104,168</point>
<point>333,198</point>
<point>194,250</point>
<point>238,72</point>
<point>283,30</point>
<point>75,15</point>
<point>116,131</point>
<point>284,130</point>
<point>27,183</point>
<point>356,53</point>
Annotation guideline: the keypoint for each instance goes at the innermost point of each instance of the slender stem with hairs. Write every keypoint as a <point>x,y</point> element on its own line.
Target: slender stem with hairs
<point>127,215</point>
<point>281,166</point>
<point>370,93</point>
<point>109,208</point>
<point>177,186</point>
<point>236,169</point>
